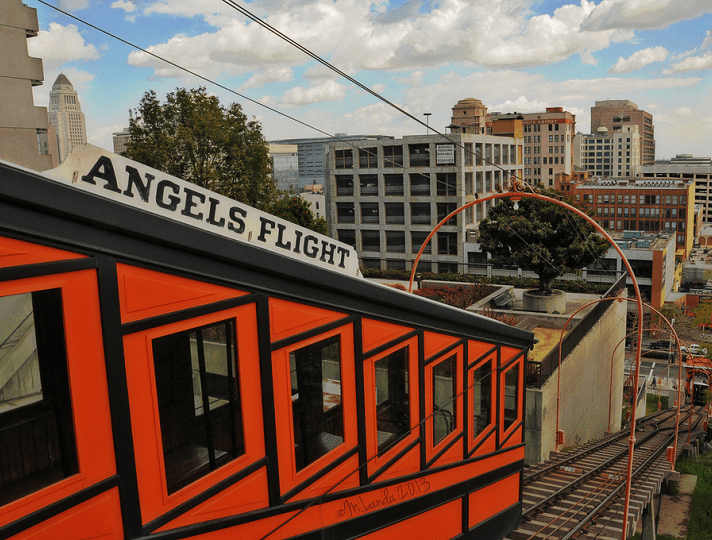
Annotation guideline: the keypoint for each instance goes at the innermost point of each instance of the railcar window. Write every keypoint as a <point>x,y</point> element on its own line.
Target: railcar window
<point>482,394</point>
<point>316,400</point>
<point>444,392</point>
<point>198,401</point>
<point>392,400</point>
<point>37,443</point>
<point>511,397</point>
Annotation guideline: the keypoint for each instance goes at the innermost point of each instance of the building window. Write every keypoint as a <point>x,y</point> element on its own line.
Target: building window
<point>420,213</point>
<point>420,185</point>
<point>370,241</point>
<point>444,392</point>
<point>392,156</point>
<point>368,158</point>
<point>395,241</point>
<point>482,397</point>
<point>395,213</point>
<point>369,213</point>
<point>392,398</point>
<point>394,183</point>
<point>343,158</point>
<point>344,185</point>
<point>443,210</point>
<point>419,155</point>
<point>347,236</point>
<point>447,243</point>
<point>37,442</point>
<point>198,401</point>
<point>468,155</point>
<point>511,396</point>
<point>369,184</point>
<point>446,184</point>
<point>316,400</point>
<point>468,183</point>
<point>345,213</point>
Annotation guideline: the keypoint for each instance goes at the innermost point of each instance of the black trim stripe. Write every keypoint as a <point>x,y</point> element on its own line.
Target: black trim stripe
<point>43,269</point>
<point>269,415</point>
<point>186,314</point>
<point>481,357</point>
<point>491,428</point>
<point>203,497</point>
<point>444,449</point>
<point>119,398</point>
<point>381,348</point>
<point>395,459</point>
<point>379,519</point>
<point>360,401</point>
<point>323,472</point>
<point>445,351</point>
<point>297,338</point>
<point>57,508</point>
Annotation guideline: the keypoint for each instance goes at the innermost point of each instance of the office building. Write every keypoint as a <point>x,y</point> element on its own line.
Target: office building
<point>311,155</point>
<point>65,114</point>
<point>686,168</point>
<point>26,138</point>
<point>285,166</point>
<point>613,114</point>
<point>548,137</point>
<point>609,155</point>
<point>388,194</point>
<point>121,139</point>
<point>635,204</point>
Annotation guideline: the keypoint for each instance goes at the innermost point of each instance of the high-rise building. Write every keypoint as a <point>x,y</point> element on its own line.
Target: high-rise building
<point>65,114</point>
<point>613,114</point>
<point>285,166</point>
<point>609,155</point>
<point>26,138</point>
<point>548,137</point>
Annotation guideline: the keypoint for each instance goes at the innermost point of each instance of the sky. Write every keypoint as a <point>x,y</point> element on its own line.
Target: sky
<point>422,55</point>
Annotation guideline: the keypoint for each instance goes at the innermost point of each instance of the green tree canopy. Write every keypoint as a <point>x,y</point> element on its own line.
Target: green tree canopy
<point>193,137</point>
<point>297,210</point>
<point>540,236</point>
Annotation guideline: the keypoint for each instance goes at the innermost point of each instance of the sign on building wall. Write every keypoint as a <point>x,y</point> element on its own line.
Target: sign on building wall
<point>128,182</point>
<point>445,154</point>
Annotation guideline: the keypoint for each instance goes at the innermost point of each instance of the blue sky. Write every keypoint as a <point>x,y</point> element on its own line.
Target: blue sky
<point>423,55</point>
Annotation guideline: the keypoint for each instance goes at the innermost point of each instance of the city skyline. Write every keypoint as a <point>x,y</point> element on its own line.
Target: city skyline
<point>514,55</point>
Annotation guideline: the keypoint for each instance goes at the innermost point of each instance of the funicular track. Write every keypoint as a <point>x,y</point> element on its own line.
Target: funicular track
<point>580,494</point>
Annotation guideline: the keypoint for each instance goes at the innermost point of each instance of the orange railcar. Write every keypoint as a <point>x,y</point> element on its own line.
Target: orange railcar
<point>158,380</point>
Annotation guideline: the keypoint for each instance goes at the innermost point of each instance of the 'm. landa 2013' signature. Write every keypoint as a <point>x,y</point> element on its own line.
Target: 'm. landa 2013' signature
<point>361,504</point>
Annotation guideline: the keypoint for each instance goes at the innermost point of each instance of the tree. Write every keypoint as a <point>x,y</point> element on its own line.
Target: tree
<point>193,137</point>
<point>540,236</point>
<point>297,210</point>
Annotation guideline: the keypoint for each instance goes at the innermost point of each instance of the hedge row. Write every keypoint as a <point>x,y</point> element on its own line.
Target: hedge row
<point>520,283</point>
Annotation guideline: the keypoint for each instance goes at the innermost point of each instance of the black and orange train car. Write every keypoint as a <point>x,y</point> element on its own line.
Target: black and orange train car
<point>159,379</point>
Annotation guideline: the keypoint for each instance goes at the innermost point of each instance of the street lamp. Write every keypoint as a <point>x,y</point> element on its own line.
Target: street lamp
<point>427,122</point>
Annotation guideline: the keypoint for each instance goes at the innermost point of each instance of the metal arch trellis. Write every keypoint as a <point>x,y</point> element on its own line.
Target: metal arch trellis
<point>516,189</point>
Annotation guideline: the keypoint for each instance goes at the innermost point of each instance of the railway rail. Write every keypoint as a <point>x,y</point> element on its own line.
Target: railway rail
<point>580,494</point>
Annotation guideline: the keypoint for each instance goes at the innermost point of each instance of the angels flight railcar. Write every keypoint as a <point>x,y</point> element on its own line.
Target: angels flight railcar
<point>174,364</point>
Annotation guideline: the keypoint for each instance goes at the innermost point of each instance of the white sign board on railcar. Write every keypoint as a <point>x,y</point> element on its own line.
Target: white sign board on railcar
<point>128,182</point>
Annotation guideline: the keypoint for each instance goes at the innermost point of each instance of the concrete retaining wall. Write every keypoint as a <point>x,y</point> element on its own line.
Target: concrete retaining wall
<point>585,388</point>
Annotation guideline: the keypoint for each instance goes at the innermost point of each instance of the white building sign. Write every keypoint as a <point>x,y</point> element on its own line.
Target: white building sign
<point>114,177</point>
<point>445,154</point>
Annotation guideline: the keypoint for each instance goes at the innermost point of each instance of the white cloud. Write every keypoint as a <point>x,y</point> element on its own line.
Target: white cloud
<point>414,79</point>
<point>379,88</point>
<point>691,63</point>
<point>60,45</point>
<point>299,96</point>
<point>522,105</point>
<point>127,5</point>
<point>73,5</point>
<point>643,14</point>
<point>639,59</point>
<point>354,35</point>
<point>283,74</point>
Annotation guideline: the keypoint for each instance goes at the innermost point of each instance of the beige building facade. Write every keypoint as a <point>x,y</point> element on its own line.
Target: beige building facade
<point>609,155</point>
<point>65,114</point>
<point>613,114</point>
<point>26,137</point>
